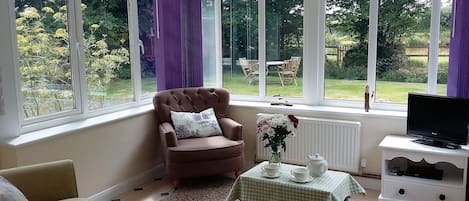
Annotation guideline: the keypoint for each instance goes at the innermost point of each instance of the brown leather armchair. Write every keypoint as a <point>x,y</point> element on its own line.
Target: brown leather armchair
<point>191,157</point>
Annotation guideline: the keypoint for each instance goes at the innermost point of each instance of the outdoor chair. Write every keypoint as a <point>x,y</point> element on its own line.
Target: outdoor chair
<point>289,70</point>
<point>250,69</point>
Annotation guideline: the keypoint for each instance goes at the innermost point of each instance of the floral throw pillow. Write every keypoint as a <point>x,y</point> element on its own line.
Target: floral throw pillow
<point>8,192</point>
<point>189,124</point>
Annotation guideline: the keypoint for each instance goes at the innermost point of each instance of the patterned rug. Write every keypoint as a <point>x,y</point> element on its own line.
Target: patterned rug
<point>202,189</point>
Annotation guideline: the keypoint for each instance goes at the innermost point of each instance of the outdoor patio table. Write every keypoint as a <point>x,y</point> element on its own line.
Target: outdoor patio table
<point>332,186</point>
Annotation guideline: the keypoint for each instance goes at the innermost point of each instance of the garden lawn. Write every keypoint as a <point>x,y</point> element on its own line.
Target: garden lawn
<point>387,91</point>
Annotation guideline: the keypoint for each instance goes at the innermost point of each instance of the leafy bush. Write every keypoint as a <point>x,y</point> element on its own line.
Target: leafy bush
<point>417,41</point>
<point>124,72</point>
<point>442,77</point>
<point>402,76</point>
<point>393,63</point>
<point>356,56</point>
<point>332,71</point>
<point>44,58</point>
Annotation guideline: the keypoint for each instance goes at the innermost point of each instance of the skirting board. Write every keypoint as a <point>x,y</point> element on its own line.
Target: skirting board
<point>369,183</point>
<point>129,184</point>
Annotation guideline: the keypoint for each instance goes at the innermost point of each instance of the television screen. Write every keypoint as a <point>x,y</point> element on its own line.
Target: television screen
<point>439,118</point>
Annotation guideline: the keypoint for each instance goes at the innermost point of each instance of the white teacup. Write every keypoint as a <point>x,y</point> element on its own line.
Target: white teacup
<point>300,173</point>
<point>270,169</point>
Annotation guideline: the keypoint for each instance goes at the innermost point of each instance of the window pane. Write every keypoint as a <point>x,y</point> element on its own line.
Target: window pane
<point>44,57</point>
<point>240,46</point>
<point>107,56</point>
<point>284,47</point>
<point>443,57</point>
<point>403,43</point>
<point>346,62</point>
<point>147,36</point>
<point>209,42</point>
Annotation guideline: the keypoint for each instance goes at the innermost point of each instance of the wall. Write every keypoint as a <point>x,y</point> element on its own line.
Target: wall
<point>112,153</point>
<point>103,155</point>
<point>373,130</point>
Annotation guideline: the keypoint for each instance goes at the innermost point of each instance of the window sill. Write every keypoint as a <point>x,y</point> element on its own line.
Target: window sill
<point>325,110</point>
<point>44,134</point>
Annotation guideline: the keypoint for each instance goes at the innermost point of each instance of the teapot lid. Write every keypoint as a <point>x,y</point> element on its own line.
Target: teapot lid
<point>316,156</point>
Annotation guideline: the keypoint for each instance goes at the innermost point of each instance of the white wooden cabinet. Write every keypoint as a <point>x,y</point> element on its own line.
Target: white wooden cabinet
<point>399,153</point>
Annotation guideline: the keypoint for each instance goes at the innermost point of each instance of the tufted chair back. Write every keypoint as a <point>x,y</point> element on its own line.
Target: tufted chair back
<point>194,99</point>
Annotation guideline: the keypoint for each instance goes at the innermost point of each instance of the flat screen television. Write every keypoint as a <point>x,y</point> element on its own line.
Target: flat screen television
<point>438,120</point>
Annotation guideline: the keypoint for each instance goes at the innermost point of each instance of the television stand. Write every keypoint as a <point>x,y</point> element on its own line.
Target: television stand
<point>436,143</point>
<point>412,171</point>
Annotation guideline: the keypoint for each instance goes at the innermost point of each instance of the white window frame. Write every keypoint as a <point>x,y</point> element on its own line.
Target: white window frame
<point>372,55</point>
<point>313,62</point>
<point>80,112</point>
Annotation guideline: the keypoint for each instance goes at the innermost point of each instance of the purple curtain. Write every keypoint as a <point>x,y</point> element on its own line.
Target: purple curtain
<point>179,45</point>
<point>458,70</point>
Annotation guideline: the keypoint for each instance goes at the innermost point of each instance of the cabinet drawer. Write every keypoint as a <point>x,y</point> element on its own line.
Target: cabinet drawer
<point>420,192</point>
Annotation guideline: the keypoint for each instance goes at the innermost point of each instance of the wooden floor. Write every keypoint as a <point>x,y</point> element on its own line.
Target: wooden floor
<point>153,192</point>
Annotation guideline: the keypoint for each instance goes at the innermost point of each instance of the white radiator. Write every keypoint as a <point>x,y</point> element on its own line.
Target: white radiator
<point>336,140</point>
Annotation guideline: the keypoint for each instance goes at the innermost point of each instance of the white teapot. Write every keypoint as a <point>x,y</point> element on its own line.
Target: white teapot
<point>317,166</point>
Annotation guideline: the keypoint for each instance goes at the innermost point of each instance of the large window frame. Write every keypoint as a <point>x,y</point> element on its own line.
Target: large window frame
<point>314,48</point>
<point>80,89</point>
<point>313,61</point>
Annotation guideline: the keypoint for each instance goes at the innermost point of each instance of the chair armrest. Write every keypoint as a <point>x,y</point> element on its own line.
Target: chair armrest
<point>168,135</point>
<point>45,181</point>
<point>231,129</point>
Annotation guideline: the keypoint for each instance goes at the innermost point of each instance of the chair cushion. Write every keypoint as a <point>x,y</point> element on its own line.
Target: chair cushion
<point>190,124</point>
<point>205,149</point>
<point>8,192</point>
<point>194,99</point>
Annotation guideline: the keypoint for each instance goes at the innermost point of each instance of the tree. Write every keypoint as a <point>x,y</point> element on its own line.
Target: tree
<point>397,19</point>
<point>44,56</point>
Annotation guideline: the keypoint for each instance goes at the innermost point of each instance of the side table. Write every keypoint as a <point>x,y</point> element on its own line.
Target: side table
<point>332,186</point>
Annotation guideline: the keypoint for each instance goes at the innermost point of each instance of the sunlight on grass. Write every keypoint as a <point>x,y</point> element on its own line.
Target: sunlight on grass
<point>387,91</point>
<point>148,85</point>
<point>390,92</point>
<point>344,89</point>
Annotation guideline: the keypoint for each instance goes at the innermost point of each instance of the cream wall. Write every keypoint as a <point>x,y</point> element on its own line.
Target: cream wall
<point>114,152</point>
<point>103,155</point>
<point>373,130</point>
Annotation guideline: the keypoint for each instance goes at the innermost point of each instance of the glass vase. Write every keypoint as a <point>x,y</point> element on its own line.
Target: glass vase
<point>275,156</point>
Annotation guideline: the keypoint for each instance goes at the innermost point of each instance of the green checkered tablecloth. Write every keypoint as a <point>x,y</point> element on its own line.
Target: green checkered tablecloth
<point>331,186</point>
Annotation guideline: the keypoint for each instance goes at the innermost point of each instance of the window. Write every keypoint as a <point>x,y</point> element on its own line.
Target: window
<point>147,37</point>
<point>281,32</point>
<point>443,53</point>
<point>42,32</point>
<point>240,46</point>
<point>346,50</point>
<point>387,45</point>
<point>392,52</point>
<point>106,49</point>
<point>209,42</point>
<point>402,49</point>
<point>79,58</point>
<point>284,48</point>
<point>83,58</point>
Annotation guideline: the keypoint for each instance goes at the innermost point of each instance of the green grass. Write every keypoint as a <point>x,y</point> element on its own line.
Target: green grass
<point>148,85</point>
<point>387,91</point>
<point>344,89</point>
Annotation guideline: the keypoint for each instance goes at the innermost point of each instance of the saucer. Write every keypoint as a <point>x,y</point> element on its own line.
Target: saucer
<point>270,176</point>
<point>294,179</point>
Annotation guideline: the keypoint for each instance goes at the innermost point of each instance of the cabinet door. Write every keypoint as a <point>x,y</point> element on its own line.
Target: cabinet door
<point>421,192</point>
